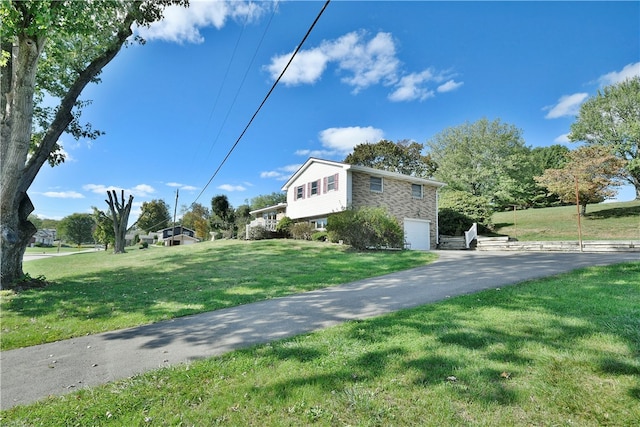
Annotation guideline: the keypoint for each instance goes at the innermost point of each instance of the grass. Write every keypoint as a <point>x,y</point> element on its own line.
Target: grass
<point>97,291</point>
<point>604,221</point>
<point>559,351</point>
<point>55,249</point>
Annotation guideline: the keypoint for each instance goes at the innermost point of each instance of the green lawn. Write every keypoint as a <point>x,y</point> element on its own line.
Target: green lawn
<point>560,351</point>
<point>97,291</point>
<point>604,221</point>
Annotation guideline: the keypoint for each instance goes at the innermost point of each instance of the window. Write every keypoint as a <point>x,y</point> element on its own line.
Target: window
<point>321,223</point>
<point>331,183</point>
<point>300,192</point>
<point>416,191</point>
<point>314,188</point>
<point>375,184</point>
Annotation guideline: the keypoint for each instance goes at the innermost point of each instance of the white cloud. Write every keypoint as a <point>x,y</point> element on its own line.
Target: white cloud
<point>368,62</point>
<point>231,188</point>
<point>182,24</point>
<point>412,87</point>
<point>282,173</point>
<point>140,190</point>
<point>614,77</point>
<point>181,186</point>
<point>567,105</point>
<point>315,153</point>
<point>342,140</point>
<point>562,139</point>
<point>63,194</point>
<point>449,86</point>
<point>363,61</point>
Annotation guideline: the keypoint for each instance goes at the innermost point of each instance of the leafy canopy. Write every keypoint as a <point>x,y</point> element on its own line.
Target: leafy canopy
<point>403,157</point>
<point>611,119</point>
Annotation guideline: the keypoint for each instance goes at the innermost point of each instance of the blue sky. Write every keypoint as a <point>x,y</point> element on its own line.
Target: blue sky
<point>173,108</point>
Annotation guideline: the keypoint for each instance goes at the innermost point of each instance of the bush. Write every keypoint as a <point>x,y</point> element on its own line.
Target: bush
<point>302,231</point>
<point>320,236</point>
<point>452,222</point>
<point>259,233</point>
<point>144,245</point>
<point>284,226</point>
<point>366,228</point>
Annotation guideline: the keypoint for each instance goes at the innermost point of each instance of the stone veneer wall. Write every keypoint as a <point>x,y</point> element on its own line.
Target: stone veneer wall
<point>397,199</point>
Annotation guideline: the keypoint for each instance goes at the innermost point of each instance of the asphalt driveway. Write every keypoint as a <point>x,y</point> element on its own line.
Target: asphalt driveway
<point>32,373</point>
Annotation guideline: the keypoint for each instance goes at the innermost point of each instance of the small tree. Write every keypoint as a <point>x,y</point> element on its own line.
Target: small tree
<point>78,228</point>
<point>593,169</point>
<point>120,216</point>
<point>403,157</point>
<point>154,216</point>
<point>104,231</point>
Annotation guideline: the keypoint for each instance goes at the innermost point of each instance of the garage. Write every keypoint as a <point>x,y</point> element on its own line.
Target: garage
<point>417,234</point>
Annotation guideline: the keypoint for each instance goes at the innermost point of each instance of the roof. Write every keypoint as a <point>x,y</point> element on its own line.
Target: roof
<point>364,169</point>
<point>269,208</point>
<point>177,226</point>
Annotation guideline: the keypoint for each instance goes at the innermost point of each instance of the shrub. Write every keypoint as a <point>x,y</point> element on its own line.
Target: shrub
<point>144,245</point>
<point>452,222</point>
<point>259,233</point>
<point>320,236</point>
<point>284,226</point>
<point>302,231</point>
<point>366,228</point>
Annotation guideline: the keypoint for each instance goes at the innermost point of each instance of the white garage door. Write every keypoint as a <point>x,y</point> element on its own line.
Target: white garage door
<point>416,233</point>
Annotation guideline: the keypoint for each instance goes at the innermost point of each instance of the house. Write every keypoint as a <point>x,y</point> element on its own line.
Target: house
<point>178,235</point>
<point>321,187</point>
<point>44,237</point>
<point>268,217</point>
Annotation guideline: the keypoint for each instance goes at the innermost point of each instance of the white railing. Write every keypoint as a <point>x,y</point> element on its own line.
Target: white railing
<point>470,235</point>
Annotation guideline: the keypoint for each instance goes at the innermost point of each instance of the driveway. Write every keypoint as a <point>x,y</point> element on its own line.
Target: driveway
<point>35,372</point>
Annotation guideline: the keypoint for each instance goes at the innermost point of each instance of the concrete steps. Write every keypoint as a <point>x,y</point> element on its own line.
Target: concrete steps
<point>505,244</point>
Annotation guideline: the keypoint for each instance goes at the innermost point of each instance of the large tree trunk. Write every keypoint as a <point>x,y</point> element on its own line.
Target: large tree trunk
<point>120,215</point>
<point>17,117</point>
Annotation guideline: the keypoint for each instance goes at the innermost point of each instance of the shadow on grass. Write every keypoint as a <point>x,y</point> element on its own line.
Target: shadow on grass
<point>629,211</point>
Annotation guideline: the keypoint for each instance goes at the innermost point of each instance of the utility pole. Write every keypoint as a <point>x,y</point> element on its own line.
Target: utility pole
<point>578,206</point>
<point>175,208</point>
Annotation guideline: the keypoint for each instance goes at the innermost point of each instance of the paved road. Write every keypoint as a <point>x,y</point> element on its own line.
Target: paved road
<point>30,374</point>
<point>30,256</point>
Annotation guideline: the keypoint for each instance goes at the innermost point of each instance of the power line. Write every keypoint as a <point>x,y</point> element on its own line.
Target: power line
<point>264,100</point>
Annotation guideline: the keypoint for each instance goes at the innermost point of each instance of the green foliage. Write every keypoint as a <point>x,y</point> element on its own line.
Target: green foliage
<point>320,236</point>
<point>612,119</point>
<point>366,228</point>
<point>302,231</point>
<point>476,208</point>
<point>259,233</point>
<point>144,245</point>
<point>486,159</point>
<point>154,216</point>
<point>453,223</point>
<point>403,157</point>
<point>543,158</point>
<point>78,228</point>
<point>266,200</point>
<point>284,226</point>
<point>223,216</point>
<point>197,218</point>
<point>104,232</point>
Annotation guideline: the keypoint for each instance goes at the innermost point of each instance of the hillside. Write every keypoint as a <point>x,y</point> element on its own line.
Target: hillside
<point>604,221</point>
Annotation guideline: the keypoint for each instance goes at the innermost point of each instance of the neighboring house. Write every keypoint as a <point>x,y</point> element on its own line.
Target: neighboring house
<point>44,237</point>
<point>321,187</point>
<point>130,237</point>
<point>177,235</point>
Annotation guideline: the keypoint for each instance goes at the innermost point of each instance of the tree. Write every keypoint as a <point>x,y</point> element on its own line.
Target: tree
<point>78,228</point>
<point>154,216</point>
<point>50,49</point>
<point>197,218</point>
<point>120,218</point>
<point>266,200</point>
<point>403,157</point>
<point>484,158</point>
<point>592,168</point>
<point>104,232</point>
<point>612,119</point>
<point>543,158</point>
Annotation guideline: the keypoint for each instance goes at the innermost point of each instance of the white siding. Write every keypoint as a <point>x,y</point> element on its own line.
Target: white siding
<point>322,203</point>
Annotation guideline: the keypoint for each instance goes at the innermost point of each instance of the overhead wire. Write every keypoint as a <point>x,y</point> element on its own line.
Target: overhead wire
<point>263,101</point>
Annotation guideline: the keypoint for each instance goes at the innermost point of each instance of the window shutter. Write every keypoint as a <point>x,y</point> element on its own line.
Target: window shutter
<point>295,193</point>
<point>325,184</point>
<point>336,181</point>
